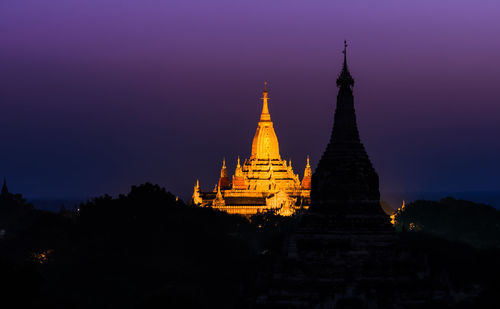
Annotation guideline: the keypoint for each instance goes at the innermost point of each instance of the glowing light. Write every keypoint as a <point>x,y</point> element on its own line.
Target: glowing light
<point>397,213</point>
<point>42,257</point>
<point>263,182</point>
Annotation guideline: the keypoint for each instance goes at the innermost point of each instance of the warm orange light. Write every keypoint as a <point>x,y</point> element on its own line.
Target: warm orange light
<point>42,257</point>
<point>262,182</point>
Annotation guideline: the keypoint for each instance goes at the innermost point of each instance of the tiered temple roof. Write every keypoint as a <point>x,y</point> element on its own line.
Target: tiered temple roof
<point>264,181</point>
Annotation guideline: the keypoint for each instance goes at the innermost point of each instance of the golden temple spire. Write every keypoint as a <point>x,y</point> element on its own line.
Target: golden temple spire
<point>219,200</point>
<point>224,181</point>
<point>265,116</point>
<point>265,143</point>
<point>307,171</point>
<point>306,181</point>
<point>238,172</point>
<point>223,171</point>
<point>197,199</point>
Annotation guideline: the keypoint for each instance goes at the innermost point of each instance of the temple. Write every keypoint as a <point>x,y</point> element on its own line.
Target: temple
<point>262,182</point>
<point>344,251</point>
<point>345,185</point>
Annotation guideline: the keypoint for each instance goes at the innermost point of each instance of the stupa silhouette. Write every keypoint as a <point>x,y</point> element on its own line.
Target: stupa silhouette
<point>345,186</point>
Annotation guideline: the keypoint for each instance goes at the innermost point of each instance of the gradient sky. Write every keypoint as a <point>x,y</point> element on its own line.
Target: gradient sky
<point>97,95</point>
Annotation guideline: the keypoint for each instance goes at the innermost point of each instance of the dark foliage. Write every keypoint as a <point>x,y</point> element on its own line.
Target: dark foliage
<point>455,220</point>
<point>471,274</point>
<point>143,249</point>
<point>147,249</point>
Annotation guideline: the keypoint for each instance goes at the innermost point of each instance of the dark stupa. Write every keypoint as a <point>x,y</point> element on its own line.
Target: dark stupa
<point>344,253</point>
<point>345,185</point>
<point>344,174</point>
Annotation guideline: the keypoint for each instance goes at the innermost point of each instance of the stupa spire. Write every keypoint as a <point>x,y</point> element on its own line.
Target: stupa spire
<point>306,181</point>
<point>345,78</point>
<point>265,143</point>
<point>308,171</point>
<point>344,175</point>
<point>223,171</point>
<point>5,190</point>
<point>219,199</point>
<point>224,181</point>
<point>196,198</point>
<point>265,116</point>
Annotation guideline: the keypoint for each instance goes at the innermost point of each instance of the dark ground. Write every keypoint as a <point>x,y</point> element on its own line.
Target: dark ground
<point>146,249</point>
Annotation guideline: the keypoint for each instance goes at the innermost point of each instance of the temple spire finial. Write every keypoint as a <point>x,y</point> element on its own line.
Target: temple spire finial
<point>345,53</point>
<point>265,116</point>
<point>345,78</point>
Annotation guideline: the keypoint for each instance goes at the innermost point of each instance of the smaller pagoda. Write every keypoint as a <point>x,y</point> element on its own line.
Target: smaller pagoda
<point>263,182</point>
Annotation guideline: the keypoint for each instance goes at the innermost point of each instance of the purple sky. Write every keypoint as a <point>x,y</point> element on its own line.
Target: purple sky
<point>98,95</point>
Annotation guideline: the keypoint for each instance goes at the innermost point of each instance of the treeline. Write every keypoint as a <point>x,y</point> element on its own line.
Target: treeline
<point>147,249</point>
<point>143,249</point>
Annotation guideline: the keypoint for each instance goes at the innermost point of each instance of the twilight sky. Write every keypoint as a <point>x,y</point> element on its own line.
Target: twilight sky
<point>97,95</point>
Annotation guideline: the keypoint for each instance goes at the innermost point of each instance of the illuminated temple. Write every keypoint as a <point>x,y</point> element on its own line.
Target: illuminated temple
<point>263,182</point>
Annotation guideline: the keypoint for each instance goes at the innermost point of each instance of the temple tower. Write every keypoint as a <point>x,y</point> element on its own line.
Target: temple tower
<point>262,182</point>
<point>265,142</point>
<point>224,181</point>
<point>345,180</point>
<point>306,181</point>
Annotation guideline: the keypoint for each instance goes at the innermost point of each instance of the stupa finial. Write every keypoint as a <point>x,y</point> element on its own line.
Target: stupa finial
<point>265,116</point>
<point>345,78</point>
<point>345,53</point>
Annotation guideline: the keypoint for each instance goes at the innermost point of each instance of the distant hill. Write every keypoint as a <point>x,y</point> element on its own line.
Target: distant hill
<point>455,220</point>
<point>395,199</point>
